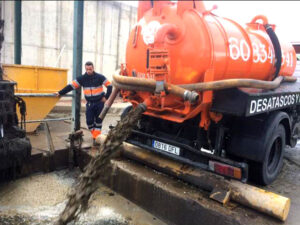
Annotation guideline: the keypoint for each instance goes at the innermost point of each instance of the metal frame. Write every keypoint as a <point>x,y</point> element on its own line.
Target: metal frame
<point>77,60</point>
<point>48,120</point>
<point>18,32</point>
<point>40,95</point>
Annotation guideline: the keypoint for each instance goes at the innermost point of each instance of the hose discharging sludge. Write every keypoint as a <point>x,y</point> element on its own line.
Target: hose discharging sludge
<point>88,181</point>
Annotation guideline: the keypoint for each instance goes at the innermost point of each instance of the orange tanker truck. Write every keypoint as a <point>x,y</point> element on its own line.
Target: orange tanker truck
<point>217,95</point>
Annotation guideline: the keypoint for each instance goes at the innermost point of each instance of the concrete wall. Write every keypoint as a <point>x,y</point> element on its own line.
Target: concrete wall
<point>47,30</point>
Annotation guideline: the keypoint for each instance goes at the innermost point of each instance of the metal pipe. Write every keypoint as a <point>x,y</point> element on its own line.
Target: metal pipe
<point>59,56</point>
<point>119,33</point>
<point>77,60</point>
<point>18,31</point>
<point>48,120</point>
<point>40,95</point>
<point>49,139</point>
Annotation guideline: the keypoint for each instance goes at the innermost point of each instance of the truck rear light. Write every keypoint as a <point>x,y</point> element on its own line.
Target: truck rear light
<point>225,169</point>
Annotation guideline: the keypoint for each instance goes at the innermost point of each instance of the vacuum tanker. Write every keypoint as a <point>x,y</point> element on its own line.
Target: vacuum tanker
<point>218,94</point>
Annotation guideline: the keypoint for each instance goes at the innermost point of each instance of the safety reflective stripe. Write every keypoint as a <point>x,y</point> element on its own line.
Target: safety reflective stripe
<point>97,129</point>
<point>93,88</point>
<point>95,91</point>
<point>75,84</point>
<point>98,125</point>
<point>106,83</point>
<point>88,94</point>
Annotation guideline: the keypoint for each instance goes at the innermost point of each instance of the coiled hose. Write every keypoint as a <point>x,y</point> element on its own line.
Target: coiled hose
<point>274,40</point>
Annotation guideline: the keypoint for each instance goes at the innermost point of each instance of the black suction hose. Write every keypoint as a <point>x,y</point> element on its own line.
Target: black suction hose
<point>276,46</point>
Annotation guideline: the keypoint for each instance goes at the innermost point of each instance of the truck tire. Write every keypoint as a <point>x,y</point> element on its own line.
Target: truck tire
<point>126,111</point>
<point>266,172</point>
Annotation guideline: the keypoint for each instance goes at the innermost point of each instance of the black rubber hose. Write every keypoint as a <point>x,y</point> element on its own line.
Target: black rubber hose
<point>276,46</point>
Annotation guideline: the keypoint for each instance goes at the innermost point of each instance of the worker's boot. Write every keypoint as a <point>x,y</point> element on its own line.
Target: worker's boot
<point>95,134</point>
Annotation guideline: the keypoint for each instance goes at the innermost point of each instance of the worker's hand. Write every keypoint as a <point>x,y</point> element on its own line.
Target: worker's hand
<point>103,99</point>
<point>56,94</point>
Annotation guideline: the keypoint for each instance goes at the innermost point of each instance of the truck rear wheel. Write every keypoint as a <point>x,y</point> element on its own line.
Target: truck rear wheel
<point>266,172</point>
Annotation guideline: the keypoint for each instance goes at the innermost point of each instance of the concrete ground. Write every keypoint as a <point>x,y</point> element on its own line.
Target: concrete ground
<point>61,129</point>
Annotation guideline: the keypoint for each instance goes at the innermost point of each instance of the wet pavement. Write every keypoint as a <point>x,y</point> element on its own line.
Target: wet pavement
<point>288,183</point>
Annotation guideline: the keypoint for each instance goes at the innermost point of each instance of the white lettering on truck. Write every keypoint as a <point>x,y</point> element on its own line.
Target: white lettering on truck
<point>274,102</point>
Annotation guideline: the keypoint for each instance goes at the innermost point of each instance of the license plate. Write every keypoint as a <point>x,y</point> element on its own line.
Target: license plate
<point>166,147</point>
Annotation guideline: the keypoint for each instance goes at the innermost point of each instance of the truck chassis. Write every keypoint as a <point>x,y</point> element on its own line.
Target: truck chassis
<point>248,143</point>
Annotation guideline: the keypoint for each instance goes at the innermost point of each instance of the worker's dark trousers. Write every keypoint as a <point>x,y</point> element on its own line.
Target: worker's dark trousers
<point>94,123</point>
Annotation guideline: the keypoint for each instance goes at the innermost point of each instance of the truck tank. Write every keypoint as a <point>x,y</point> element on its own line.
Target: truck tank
<point>183,43</point>
<point>198,40</point>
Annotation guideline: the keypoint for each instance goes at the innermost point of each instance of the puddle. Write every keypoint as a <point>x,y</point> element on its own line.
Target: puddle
<point>40,198</point>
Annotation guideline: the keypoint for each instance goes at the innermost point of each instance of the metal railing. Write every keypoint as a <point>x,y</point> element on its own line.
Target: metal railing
<point>40,95</point>
<point>48,120</point>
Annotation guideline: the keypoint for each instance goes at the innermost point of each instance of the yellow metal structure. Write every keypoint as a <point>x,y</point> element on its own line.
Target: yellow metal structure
<point>36,79</point>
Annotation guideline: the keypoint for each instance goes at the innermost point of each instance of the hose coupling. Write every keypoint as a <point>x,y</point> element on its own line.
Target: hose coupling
<point>191,96</point>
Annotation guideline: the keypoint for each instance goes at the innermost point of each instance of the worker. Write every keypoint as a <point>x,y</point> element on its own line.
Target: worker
<point>95,96</point>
